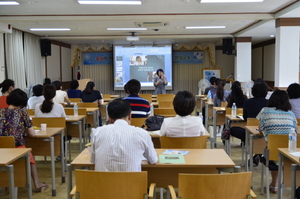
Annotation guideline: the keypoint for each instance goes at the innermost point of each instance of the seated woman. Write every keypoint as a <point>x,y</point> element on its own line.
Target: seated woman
<point>221,93</point>
<point>14,121</point>
<point>61,96</point>
<point>7,86</point>
<point>183,125</point>
<point>277,118</point>
<point>294,94</point>
<point>37,96</point>
<point>73,92</point>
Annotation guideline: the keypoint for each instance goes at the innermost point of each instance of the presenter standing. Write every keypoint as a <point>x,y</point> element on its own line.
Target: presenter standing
<point>160,81</point>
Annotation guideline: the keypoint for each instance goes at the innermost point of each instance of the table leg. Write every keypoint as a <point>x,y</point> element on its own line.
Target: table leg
<point>280,167</point>
<point>28,176</point>
<point>251,156</point>
<point>294,168</point>
<point>206,116</point>
<point>53,165</point>
<point>214,138</point>
<point>80,135</point>
<point>63,156</point>
<point>246,152</point>
<point>97,118</point>
<point>69,181</point>
<point>10,171</point>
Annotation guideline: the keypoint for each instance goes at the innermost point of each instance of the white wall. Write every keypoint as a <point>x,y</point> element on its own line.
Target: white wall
<point>66,64</point>
<point>225,62</point>
<point>269,63</point>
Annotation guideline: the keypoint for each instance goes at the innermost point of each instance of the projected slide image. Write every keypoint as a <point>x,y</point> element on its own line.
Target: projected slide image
<point>141,73</point>
<point>119,77</point>
<point>139,60</point>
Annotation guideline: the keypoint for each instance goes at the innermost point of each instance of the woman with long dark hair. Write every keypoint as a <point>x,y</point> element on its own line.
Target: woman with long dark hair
<point>89,94</point>
<point>236,96</point>
<point>7,86</point>
<point>221,93</point>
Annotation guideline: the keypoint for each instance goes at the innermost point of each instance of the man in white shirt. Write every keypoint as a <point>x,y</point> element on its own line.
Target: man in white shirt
<point>120,146</point>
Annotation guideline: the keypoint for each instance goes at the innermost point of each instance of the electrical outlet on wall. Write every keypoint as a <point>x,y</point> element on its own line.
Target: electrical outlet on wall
<point>2,68</point>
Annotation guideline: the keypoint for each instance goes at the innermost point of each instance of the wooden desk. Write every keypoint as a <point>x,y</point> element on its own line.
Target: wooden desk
<point>198,98</point>
<point>104,106</point>
<point>216,110</point>
<point>92,111</point>
<point>79,121</point>
<point>9,156</point>
<point>197,161</point>
<point>39,148</point>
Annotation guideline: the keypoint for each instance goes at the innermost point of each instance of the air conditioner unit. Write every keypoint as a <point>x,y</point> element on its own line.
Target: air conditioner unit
<point>151,24</point>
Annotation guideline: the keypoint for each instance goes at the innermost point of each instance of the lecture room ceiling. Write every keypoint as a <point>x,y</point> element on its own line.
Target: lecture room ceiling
<point>88,23</point>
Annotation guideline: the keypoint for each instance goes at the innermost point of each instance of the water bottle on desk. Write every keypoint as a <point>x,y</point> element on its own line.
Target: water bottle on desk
<point>292,140</point>
<point>75,110</point>
<point>233,110</point>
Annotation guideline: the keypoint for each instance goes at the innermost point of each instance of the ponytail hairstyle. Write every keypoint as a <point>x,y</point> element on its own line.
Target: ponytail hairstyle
<point>89,87</point>
<point>49,93</point>
<point>220,89</point>
<point>6,84</point>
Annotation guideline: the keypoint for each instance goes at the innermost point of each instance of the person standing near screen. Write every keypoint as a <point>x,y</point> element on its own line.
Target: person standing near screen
<point>160,81</point>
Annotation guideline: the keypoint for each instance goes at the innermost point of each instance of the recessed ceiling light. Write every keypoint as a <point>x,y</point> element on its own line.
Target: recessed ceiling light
<point>110,2</point>
<point>50,29</point>
<point>126,28</point>
<point>229,1</point>
<point>8,3</point>
<point>203,27</point>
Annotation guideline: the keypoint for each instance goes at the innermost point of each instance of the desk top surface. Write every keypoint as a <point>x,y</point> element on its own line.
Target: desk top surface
<point>195,158</point>
<point>9,155</point>
<point>286,153</point>
<point>49,132</point>
<point>219,108</point>
<point>229,116</point>
<point>72,118</point>
<point>254,130</point>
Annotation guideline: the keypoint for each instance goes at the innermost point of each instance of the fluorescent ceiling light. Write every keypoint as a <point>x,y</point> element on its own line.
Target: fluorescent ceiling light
<point>229,1</point>
<point>111,2</point>
<point>126,28</point>
<point>50,29</point>
<point>203,27</point>
<point>8,3</point>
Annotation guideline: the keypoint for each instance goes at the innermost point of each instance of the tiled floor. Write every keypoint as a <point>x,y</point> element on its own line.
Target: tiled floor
<point>45,175</point>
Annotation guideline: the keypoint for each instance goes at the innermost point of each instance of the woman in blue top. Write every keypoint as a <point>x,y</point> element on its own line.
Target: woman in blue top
<point>277,118</point>
<point>221,93</point>
<point>73,92</point>
<point>160,81</point>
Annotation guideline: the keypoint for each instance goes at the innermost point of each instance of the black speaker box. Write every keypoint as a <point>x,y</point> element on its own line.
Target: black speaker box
<point>45,47</point>
<point>227,46</point>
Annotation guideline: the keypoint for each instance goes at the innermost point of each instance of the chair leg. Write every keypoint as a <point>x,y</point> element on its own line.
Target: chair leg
<point>69,151</point>
<point>243,149</point>
<point>45,159</point>
<point>267,182</point>
<point>262,179</point>
<point>161,192</point>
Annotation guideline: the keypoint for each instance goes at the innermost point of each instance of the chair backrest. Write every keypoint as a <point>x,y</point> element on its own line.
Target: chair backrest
<point>214,185</point>
<point>165,104</point>
<point>50,121</point>
<point>252,122</point>
<point>238,111</point>
<point>224,104</point>
<point>87,104</point>
<point>147,97</point>
<point>167,112</point>
<point>103,185</point>
<point>138,122</point>
<point>106,95</point>
<point>75,99</point>
<point>30,111</point>
<point>298,120</point>
<point>7,142</point>
<point>70,111</point>
<point>199,142</point>
<point>165,97</point>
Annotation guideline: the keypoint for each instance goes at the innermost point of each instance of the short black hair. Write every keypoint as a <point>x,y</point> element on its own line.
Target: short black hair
<point>159,70</point>
<point>294,91</point>
<point>259,90</point>
<point>133,86</point>
<point>212,80</point>
<point>17,97</point>
<point>47,81</point>
<point>184,103</point>
<point>74,84</point>
<point>6,84</point>
<point>217,81</point>
<point>57,84</point>
<point>118,108</point>
<point>37,90</point>
<point>280,100</point>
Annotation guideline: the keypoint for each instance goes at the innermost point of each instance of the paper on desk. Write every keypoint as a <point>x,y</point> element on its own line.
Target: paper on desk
<point>171,159</point>
<point>297,154</point>
<point>240,116</point>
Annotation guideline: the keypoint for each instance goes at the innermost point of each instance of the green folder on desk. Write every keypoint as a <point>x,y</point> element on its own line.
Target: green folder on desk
<point>171,159</point>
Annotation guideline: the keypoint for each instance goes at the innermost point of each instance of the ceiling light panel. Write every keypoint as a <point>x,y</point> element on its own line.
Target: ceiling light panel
<point>204,27</point>
<point>126,28</point>
<point>50,29</point>
<point>2,3</point>
<point>110,2</point>
<point>230,1</point>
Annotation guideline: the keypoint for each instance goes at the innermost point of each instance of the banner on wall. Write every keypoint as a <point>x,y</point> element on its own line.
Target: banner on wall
<point>97,58</point>
<point>195,57</point>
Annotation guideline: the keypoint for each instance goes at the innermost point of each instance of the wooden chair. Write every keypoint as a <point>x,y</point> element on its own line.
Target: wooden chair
<point>138,122</point>
<point>199,142</point>
<point>90,118</point>
<point>103,185</point>
<point>213,186</point>
<point>106,95</point>
<point>75,99</point>
<point>81,111</point>
<point>165,104</point>
<point>30,111</point>
<point>146,97</point>
<point>224,104</point>
<point>167,112</point>
<point>252,122</point>
<point>164,97</point>
<point>238,112</point>
<point>7,142</point>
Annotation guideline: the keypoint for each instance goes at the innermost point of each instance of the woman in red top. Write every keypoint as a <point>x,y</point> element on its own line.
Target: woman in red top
<point>7,86</point>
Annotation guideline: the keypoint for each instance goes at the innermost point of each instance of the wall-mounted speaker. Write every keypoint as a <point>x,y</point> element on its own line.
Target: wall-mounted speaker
<point>227,46</point>
<point>45,47</point>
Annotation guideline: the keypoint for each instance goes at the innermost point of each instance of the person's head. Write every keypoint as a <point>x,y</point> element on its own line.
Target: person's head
<point>89,87</point>
<point>37,90</point>
<point>49,93</point>
<point>294,91</point>
<point>47,81</point>
<point>138,59</point>
<point>74,84</point>
<point>259,90</point>
<point>236,89</point>
<point>159,72</point>
<point>133,86</point>
<point>212,80</point>
<point>280,100</point>
<point>125,89</point>
<point>57,84</point>
<point>119,109</point>
<point>216,81</point>
<point>220,88</point>
<point>7,86</point>
<point>184,103</point>
<point>17,98</point>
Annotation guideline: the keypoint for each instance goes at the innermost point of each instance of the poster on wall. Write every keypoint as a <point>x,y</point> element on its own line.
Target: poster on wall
<point>97,58</point>
<point>212,72</point>
<point>195,57</point>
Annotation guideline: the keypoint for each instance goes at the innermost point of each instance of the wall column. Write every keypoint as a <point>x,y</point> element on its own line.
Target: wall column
<point>242,68</point>
<point>287,52</point>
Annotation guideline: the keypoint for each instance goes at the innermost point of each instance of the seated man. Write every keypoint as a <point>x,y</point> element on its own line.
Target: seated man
<point>212,85</point>
<point>139,106</point>
<point>120,146</point>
